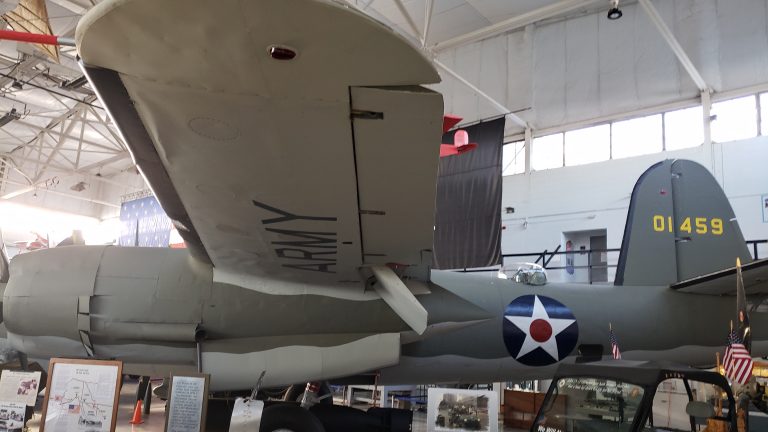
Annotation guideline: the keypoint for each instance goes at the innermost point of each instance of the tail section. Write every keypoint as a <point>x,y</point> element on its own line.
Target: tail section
<point>679,225</point>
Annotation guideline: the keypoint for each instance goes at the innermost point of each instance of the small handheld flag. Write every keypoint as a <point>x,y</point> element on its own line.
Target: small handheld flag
<point>614,344</point>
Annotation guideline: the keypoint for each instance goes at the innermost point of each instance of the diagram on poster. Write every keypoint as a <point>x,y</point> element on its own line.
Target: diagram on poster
<point>81,397</point>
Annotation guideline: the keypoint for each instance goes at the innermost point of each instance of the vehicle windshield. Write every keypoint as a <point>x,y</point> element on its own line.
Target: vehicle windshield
<point>677,408</point>
<point>589,404</point>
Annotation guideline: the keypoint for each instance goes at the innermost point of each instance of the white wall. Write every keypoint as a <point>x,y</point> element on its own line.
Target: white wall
<point>596,196</point>
<point>581,68</point>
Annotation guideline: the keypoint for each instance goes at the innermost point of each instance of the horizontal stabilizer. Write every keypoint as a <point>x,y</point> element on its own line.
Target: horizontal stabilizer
<point>723,282</point>
<point>394,292</point>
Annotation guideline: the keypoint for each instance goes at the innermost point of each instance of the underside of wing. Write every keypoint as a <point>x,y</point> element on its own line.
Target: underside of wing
<point>755,275</point>
<point>298,169</point>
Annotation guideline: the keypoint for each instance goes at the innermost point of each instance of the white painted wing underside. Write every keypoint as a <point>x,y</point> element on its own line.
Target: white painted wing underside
<point>276,178</point>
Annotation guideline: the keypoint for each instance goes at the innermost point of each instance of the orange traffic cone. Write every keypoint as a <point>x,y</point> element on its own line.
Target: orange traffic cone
<point>137,414</point>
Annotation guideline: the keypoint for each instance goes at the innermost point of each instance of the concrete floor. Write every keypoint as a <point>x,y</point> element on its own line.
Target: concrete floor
<point>155,421</point>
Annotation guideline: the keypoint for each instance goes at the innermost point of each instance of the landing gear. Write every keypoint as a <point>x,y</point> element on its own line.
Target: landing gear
<point>298,393</point>
<point>289,418</point>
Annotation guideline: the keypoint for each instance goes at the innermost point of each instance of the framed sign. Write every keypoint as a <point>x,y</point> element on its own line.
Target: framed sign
<point>187,403</point>
<point>19,386</point>
<point>81,395</point>
<point>458,410</point>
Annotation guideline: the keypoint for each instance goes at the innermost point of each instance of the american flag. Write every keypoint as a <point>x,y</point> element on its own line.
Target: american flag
<point>144,223</point>
<point>614,345</point>
<point>737,361</point>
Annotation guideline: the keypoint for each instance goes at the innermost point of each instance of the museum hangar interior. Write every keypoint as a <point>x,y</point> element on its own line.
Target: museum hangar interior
<point>602,167</point>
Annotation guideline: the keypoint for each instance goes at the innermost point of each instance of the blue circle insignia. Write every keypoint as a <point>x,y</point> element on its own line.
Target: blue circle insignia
<point>539,330</point>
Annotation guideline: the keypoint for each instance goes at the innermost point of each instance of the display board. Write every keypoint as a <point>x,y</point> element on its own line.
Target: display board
<point>188,403</point>
<point>81,395</point>
<point>12,416</point>
<point>458,410</point>
<point>19,386</point>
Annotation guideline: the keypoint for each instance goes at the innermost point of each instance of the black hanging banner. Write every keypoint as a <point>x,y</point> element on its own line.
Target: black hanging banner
<point>468,207</point>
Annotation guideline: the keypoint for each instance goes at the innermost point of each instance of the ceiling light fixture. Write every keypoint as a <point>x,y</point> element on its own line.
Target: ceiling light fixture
<point>614,12</point>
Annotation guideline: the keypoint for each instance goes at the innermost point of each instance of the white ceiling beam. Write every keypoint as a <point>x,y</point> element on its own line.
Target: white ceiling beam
<point>27,189</point>
<point>496,104</point>
<point>73,6</point>
<point>667,34</point>
<point>409,20</point>
<point>513,23</point>
<point>428,8</point>
<point>116,158</point>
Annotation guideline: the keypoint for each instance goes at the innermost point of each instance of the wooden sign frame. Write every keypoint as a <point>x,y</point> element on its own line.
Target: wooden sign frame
<point>203,408</point>
<point>84,363</point>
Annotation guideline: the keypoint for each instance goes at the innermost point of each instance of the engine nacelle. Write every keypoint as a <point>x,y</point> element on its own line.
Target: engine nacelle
<point>141,305</point>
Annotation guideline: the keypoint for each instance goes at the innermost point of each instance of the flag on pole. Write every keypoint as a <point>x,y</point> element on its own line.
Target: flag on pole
<point>614,344</point>
<point>737,361</point>
<point>741,310</point>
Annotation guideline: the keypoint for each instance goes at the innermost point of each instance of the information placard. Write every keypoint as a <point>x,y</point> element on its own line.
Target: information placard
<point>12,416</point>
<point>458,410</point>
<point>81,395</point>
<point>19,386</point>
<point>188,403</point>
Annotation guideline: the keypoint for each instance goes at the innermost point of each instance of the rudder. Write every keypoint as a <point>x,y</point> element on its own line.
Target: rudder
<point>679,225</point>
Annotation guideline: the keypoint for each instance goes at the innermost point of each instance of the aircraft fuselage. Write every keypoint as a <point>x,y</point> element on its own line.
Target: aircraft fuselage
<point>153,309</point>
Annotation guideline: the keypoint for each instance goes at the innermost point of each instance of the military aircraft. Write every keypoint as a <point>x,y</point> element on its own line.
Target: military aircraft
<point>302,177</point>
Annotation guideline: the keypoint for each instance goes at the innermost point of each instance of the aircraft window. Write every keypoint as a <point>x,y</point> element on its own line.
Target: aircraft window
<point>589,404</point>
<point>684,128</point>
<point>513,158</point>
<point>547,152</point>
<point>736,119</point>
<point>764,114</point>
<point>637,136</point>
<point>588,145</point>
<point>672,408</point>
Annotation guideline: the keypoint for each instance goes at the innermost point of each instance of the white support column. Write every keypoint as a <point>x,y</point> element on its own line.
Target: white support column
<point>528,146</point>
<point>708,146</point>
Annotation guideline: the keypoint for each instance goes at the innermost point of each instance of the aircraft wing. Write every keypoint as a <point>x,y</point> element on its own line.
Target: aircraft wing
<point>304,169</point>
<point>755,275</point>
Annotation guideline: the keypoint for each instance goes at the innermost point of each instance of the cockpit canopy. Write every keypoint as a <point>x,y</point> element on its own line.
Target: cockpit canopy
<point>527,273</point>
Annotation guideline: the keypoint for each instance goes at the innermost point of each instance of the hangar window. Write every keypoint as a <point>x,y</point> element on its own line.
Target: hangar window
<point>513,158</point>
<point>547,152</point>
<point>592,144</point>
<point>734,119</point>
<point>636,137</point>
<point>684,128</point>
<point>764,114</point>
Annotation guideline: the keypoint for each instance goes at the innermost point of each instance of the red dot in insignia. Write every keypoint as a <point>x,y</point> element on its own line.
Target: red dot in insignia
<point>541,331</point>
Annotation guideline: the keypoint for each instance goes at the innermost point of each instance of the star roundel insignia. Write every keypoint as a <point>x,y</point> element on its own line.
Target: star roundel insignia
<point>539,330</point>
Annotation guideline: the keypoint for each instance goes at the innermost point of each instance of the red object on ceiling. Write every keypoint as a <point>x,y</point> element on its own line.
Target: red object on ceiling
<point>450,121</point>
<point>461,142</point>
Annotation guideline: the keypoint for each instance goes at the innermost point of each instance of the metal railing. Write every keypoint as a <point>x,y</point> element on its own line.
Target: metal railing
<point>545,257</point>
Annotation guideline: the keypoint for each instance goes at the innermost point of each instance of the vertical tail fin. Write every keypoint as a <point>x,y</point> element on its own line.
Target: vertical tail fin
<point>679,225</point>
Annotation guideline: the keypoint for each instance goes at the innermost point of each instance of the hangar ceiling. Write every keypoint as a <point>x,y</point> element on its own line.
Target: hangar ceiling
<point>57,141</point>
<point>56,138</point>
